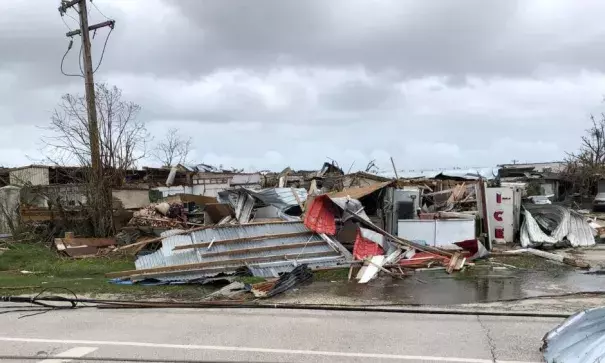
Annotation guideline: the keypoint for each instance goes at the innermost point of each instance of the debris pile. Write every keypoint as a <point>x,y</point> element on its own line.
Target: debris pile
<point>78,247</point>
<point>264,249</point>
<point>548,225</point>
<point>380,250</point>
<point>166,215</point>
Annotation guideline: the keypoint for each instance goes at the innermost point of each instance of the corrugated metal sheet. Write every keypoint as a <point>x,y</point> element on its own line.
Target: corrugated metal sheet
<point>532,235</point>
<point>226,257</point>
<point>282,198</point>
<point>579,339</point>
<point>562,224</point>
<point>243,208</point>
<point>35,175</point>
<point>469,174</point>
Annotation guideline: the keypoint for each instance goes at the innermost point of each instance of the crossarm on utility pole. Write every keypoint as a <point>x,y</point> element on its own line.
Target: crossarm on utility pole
<point>109,23</point>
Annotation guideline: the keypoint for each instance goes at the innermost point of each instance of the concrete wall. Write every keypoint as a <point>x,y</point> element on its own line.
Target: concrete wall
<point>131,198</point>
<point>9,208</point>
<point>33,176</point>
<point>69,195</point>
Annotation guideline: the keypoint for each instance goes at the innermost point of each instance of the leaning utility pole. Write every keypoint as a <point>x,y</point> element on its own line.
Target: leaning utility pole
<point>93,128</point>
<point>100,194</point>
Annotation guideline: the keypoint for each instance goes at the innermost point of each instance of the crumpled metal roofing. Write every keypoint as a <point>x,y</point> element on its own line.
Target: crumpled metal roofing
<point>560,224</point>
<point>316,250</point>
<point>469,174</point>
<point>282,198</point>
<point>579,339</point>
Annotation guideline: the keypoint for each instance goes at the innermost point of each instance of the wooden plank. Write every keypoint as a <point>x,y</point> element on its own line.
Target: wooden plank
<point>262,249</point>
<point>454,262</point>
<point>243,239</point>
<point>239,261</point>
<point>93,242</point>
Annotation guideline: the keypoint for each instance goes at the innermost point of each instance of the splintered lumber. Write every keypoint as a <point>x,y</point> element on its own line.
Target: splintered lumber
<point>456,263</point>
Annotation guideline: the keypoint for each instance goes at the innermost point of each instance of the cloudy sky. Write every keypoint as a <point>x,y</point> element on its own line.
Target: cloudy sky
<point>269,83</point>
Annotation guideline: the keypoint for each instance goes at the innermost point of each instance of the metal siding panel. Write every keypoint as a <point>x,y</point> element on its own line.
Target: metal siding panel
<point>166,256</point>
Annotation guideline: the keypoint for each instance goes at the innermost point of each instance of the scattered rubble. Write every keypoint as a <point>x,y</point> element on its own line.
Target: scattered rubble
<point>78,247</point>
<point>198,223</point>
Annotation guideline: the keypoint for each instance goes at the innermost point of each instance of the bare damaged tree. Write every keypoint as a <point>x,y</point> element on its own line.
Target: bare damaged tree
<point>122,142</point>
<point>585,167</point>
<point>173,149</point>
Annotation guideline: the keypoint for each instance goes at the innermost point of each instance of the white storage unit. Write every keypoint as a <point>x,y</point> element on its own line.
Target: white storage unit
<point>436,232</point>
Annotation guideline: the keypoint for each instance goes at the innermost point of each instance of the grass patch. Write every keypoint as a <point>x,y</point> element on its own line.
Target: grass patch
<point>341,274</point>
<point>84,276</point>
<point>250,279</point>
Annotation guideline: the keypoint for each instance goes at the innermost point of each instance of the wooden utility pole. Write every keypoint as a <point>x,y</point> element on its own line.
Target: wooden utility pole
<point>100,194</point>
<point>93,128</point>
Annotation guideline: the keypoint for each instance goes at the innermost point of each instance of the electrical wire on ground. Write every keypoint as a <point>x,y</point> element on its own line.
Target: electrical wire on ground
<point>135,304</point>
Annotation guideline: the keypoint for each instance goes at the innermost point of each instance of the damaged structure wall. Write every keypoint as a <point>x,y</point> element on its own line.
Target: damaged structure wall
<point>131,198</point>
<point>33,175</point>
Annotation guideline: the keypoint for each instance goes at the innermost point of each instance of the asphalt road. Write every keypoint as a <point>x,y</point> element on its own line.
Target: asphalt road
<point>270,336</point>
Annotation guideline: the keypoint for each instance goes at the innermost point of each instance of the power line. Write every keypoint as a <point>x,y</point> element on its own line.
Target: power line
<point>100,12</point>
<point>71,16</point>
<point>80,58</point>
<point>71,43</point>
<point>64,22</point>
<point>103,52</point>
